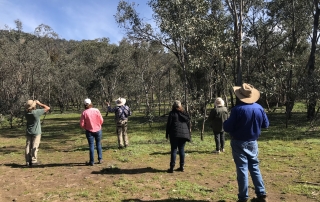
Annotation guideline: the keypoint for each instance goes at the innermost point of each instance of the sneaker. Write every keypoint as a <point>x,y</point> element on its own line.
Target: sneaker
<point>221,150</point>
<point>262,198</point>
<point>100,161</point>
<point>121,147</point>
<point>216,152</point>
<point>180,169</point>
<point>35,163</point>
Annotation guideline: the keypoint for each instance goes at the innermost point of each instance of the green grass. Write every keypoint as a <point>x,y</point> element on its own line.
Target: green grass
<point>289,162</point>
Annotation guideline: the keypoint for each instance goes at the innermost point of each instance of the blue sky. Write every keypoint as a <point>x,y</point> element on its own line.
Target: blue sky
<point>70,19</point>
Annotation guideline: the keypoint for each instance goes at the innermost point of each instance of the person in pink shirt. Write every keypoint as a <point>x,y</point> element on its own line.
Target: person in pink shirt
<point>91,121</point>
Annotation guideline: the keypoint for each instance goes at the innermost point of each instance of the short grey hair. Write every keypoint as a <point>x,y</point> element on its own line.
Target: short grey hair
<point>219,102</point>
<point>176,104</point>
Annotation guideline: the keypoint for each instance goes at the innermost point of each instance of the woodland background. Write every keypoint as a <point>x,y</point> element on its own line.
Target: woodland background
<point>196,50</point>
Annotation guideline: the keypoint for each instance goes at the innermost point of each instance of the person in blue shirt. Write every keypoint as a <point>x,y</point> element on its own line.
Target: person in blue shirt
<point>244,126</point>
<point>121,112</point>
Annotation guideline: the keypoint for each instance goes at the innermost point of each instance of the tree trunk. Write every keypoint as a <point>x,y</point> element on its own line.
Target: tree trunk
<point>311,64</point>
<point>239,42</point>
<point>204,120</point>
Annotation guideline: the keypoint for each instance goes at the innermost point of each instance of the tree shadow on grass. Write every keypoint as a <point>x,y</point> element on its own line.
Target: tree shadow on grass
<point>164,200</point>
<point>112,170</point>
<point>175,200</point>
<point>186,152</point>
<point>15,165</point>
<point>11,149</point>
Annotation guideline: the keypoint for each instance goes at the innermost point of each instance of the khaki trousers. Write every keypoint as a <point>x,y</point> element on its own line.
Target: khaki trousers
<point>32,144</point>
<point>123,139</point>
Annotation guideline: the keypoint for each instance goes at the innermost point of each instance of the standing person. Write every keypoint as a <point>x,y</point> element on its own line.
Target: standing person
<point>244,125</point>
<point>179,132</point>
<point>216,118</point>
<point>122,112</point>
<point>33,131</point>
<point>91,120</point>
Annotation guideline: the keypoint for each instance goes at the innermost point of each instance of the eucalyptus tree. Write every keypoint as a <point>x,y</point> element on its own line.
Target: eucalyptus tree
<point>239,11</point>
<point>92,56</point>
<point>17,52</point>
<point>291,22</point>
<point>47,42</point>
<point>163,62</point>
<point>145,67</point>
<point>66,82</point>
<point>122,81</point>
<point>312,72</point>
<point>181,25</point>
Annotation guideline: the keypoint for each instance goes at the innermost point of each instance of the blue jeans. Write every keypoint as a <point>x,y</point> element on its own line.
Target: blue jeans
<point>245,155</point>
<point>91,137</point>
<point>177,143</point>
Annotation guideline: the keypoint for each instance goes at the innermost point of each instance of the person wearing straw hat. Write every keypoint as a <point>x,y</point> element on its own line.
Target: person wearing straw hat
<point>244,126</point>
<point>216,118</point>
<point>122,112</point>
<point>91,121</point>
<point>33,131</point>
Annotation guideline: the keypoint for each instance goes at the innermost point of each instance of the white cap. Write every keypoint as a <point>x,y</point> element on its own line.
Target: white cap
<point>87,101</point>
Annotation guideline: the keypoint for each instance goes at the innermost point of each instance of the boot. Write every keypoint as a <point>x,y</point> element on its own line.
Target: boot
<point>181,169</point>
<point>262,198</point>
<point>170,170</point>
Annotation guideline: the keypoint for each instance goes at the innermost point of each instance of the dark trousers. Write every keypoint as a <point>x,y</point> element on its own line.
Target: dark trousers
<point>177,144</point>
<point>219,139</point>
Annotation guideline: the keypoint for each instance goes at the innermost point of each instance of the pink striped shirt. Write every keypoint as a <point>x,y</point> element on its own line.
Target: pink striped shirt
<point>91,120</point>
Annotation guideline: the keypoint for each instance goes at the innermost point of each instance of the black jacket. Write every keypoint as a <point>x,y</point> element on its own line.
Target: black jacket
<point>178,125</point>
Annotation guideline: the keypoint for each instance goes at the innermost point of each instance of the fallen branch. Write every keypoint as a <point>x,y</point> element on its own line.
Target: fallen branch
<point>306,182</point>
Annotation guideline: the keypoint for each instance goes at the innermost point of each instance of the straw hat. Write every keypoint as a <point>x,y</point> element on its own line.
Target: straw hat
<point>30,104</point>
<point>247,93</point>
<point>120,101</point>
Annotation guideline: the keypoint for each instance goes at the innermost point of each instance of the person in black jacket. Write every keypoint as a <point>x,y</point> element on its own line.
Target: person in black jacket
<point>179,132</point>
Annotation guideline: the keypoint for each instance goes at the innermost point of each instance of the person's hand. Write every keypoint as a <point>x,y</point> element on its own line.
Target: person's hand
<point>107,103</point>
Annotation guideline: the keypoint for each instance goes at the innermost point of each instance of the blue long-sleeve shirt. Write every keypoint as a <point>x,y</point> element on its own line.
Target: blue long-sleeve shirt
<point>245,122</point>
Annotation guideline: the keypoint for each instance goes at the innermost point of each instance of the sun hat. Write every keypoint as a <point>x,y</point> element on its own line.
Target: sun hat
<point>176,104</point>
<point>219,102</point>
<point>120,101</point>
<point>30,104</point>
<point>87,101</point>
<point>247,93</point>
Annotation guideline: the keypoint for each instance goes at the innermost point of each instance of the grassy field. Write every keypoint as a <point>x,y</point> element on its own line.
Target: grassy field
<point>289,163</point>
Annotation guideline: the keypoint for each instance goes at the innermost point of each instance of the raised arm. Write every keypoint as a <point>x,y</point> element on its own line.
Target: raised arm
<point>45,107</point>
